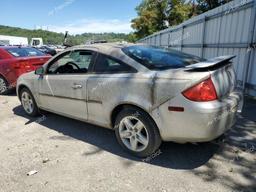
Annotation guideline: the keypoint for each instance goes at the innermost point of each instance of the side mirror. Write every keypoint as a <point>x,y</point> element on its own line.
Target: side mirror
<point>39,71</point>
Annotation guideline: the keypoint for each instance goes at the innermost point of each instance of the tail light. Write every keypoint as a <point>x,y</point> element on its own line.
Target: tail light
<point>204,91</point>
<point>20,64</point>
<point>16,65</point>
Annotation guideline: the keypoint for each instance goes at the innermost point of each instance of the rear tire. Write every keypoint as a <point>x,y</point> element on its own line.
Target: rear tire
<point>136,132</point>
<point>3,86</point>
<point>28,102</point>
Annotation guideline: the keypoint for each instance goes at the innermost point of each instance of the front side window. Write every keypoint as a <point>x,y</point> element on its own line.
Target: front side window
<point>106,64</point>
<point>160,58</point>
<point>71,62</point>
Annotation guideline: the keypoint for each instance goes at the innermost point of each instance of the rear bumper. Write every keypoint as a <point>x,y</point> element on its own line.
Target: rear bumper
<point>200,121</point>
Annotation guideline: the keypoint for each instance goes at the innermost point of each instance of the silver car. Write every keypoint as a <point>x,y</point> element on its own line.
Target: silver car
<point>146,94</point>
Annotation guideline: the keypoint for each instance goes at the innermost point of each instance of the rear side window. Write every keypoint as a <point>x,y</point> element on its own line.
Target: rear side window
<point>160,58</point>
<point>24,52</point>
<point>105,64</point>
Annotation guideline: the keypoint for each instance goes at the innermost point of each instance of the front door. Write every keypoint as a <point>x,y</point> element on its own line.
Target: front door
<point>63,88</point>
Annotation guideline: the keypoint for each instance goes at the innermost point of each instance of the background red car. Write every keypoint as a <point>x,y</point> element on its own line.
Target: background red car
<point>14,61</point>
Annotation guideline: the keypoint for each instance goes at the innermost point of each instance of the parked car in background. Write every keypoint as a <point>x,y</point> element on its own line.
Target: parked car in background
<point>14,61</point>
<point>47,50</point>
<point>60,48</point>
<point>146,94</point>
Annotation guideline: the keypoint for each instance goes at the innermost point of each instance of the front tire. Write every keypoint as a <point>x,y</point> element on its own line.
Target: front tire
<point>28,102</point>
<point>136,132</point>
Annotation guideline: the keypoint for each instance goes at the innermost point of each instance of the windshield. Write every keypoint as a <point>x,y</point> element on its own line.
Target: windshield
<point>160,58</point>
<point>24,52</point>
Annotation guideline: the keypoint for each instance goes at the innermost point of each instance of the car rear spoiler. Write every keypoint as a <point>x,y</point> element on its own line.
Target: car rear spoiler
<point>211,63</point>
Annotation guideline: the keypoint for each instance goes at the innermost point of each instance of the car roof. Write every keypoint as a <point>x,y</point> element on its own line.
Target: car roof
<point>8,47</point>
<point>106,48</point>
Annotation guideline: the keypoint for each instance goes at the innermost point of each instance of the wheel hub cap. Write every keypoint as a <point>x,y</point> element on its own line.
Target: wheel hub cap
<point>27,102</point>
<point>133,134</point>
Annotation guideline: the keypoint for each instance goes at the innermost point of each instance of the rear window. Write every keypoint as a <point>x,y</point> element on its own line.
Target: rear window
<point>24,52</point>
<point>160,58</point>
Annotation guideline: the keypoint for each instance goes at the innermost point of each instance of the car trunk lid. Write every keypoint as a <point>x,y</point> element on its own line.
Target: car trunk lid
<point>221,71</point>
<point>171,82</point>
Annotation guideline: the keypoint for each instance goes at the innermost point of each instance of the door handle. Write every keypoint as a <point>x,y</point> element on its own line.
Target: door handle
<point>77,86</point>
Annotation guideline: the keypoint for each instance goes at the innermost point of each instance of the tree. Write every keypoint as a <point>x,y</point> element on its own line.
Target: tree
<point>132,38</point>
<point>178,11</point>
<point>57,38</point>
<point>202,6</point>
<point>156,15</point>
<point>151,17</point>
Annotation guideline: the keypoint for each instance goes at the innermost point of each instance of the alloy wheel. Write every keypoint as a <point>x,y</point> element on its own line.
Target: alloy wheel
<point>27,102</point>
<point>133,134</point>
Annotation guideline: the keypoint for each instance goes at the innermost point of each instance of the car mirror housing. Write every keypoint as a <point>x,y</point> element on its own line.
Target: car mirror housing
<point>39,71</point>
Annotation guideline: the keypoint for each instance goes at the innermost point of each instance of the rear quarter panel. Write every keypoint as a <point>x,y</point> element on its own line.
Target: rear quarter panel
<point>146,90</point>
<point>7,70</point>
<point>3,62</point>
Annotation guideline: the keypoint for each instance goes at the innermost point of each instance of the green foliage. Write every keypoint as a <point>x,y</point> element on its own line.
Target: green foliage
<point>178,12</point>
<point>151,17</point>
<point>201,6</point>
<point>132,38</point>
<point>57,38</point>
<point>156,15</point>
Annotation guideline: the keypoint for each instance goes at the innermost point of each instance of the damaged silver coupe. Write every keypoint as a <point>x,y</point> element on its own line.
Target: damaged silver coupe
<point>146,94</point>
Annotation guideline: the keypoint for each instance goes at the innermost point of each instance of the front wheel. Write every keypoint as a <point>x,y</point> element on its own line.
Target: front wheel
<point>136,132</point>
<point>28,102</point>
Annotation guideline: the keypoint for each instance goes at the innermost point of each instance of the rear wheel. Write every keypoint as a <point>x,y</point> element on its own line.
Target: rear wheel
<point>3,86</point>
<point>28,102</point>
<point>136,132</point>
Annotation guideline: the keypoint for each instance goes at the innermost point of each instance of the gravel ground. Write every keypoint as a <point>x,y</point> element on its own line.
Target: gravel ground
<point>69,155</point>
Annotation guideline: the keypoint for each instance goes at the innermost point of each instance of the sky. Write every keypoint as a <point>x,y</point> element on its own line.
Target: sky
<point>75,16</point>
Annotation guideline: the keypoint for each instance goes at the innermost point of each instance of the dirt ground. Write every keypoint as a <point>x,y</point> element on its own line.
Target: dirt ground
<point>69,155</point>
